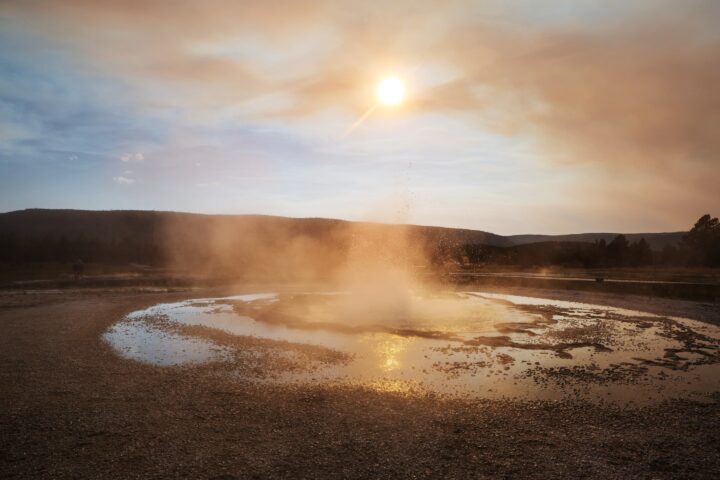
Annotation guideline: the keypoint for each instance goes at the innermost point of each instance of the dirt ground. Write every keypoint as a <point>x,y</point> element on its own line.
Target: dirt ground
<point>71,408</point>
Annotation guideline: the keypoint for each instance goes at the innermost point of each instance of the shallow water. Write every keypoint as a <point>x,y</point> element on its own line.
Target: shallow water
<point>471,344</point>
<point>139,341</point>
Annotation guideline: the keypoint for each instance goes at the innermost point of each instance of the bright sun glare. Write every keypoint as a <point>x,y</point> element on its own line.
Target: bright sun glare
<point>391,91</point>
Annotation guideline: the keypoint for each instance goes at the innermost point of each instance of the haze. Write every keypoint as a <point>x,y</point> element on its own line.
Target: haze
<point>570,117</point>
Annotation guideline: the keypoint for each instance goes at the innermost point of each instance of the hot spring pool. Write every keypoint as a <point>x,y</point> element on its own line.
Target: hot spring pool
<point>475,344</point>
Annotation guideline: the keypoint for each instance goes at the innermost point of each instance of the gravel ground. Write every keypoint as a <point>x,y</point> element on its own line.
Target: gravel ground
<point>71,408</point>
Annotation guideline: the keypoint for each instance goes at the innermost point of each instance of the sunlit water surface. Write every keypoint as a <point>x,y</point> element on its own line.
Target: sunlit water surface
<point>474,344</point>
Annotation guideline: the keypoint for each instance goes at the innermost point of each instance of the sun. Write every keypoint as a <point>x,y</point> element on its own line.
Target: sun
<point>390,91</point>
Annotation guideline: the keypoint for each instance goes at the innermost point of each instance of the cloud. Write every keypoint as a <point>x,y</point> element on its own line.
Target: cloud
<point>624,92</point>
<point>121,180</point>
<point>637,89</point>
<point>633,96</point>
<point>132,157</point>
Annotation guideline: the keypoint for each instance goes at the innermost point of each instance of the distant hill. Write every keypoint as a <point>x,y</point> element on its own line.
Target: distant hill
<point>149,225</point>
<point>257,247</point>
<point>146,225</point>
<point>238,246</point>
<point>657,241</point>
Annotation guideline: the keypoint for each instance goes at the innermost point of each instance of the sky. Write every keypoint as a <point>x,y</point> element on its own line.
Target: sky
<point>520,116</point>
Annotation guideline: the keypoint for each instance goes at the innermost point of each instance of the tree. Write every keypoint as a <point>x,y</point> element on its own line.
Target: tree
<point>670,255</point>
<point>618,250</point>
<point>703,242</point>
<point>641,253</point>
<point>9,247</point>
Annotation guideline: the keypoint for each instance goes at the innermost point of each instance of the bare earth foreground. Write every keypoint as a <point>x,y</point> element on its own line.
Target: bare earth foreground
<point>71,408</point>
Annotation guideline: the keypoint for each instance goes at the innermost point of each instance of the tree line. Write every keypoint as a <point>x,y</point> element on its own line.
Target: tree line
<point>699,247</point>
<point>51,248</point>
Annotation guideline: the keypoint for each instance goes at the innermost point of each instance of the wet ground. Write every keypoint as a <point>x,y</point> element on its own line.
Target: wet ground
<point>476,345</point>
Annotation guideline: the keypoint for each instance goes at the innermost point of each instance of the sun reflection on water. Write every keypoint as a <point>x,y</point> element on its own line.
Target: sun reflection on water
<point>389,352</point>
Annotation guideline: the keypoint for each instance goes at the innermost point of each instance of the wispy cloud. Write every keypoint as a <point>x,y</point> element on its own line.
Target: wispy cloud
<point>122,180</point>
<point>132,157</point>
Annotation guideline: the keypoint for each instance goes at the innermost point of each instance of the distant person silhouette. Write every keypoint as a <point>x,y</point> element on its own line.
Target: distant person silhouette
<point>78,269</point>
